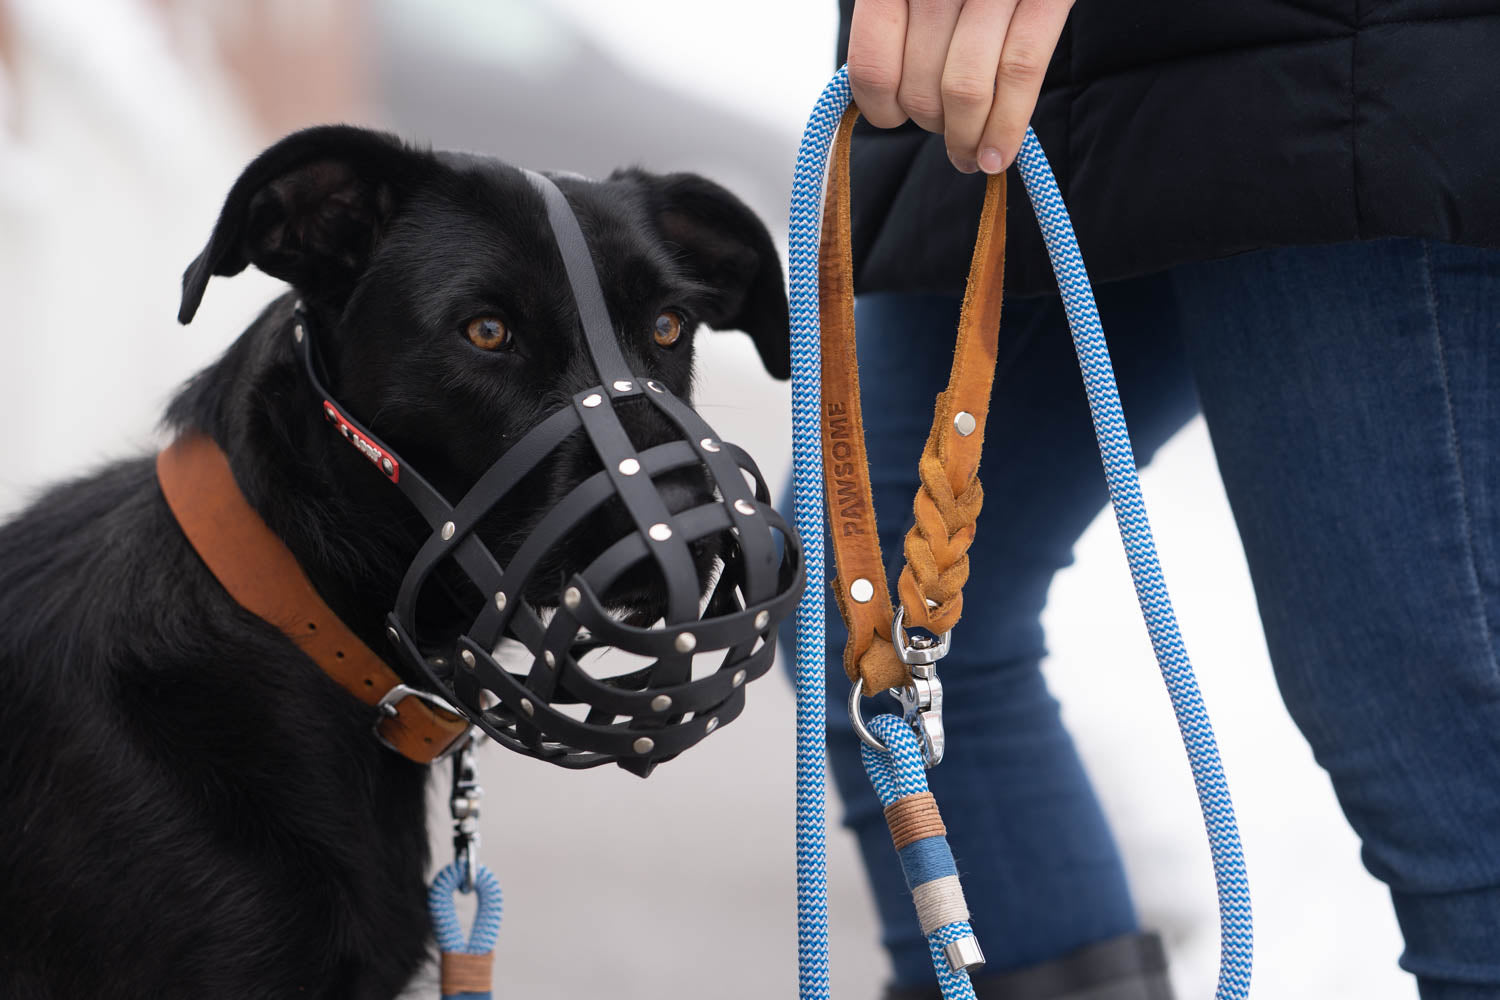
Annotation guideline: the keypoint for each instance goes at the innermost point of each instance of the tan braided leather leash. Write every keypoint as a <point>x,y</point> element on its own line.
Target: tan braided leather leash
<point>880,655</point>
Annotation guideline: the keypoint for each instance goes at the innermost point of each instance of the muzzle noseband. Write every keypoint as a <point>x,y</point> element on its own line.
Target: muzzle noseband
<point>654,713</point>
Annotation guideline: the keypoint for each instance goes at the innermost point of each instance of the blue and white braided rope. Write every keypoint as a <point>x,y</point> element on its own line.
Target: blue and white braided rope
<point>1130,514</point>
<point>807,493</point>
<point>445,926</point>
<point>896,773</point>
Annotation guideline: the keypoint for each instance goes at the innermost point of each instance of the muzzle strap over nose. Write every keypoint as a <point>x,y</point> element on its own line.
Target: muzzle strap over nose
<point>557,710</point>
<point>598,329</point>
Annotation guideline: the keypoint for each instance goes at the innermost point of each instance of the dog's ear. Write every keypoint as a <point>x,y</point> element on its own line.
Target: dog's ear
<point>309,210</point>
<point>728,249</point>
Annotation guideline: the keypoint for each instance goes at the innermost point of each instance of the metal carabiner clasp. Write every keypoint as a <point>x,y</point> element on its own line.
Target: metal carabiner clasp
<point>922,697</point>
<point>464,807</point>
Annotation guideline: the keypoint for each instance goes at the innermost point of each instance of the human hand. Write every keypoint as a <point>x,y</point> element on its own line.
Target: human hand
<point>969,69</point>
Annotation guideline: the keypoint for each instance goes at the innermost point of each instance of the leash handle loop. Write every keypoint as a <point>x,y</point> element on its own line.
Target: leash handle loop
<point>948,503</point>
<point>808,420</point>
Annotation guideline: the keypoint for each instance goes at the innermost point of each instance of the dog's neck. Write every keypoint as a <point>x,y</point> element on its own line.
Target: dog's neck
<point>352,532</point>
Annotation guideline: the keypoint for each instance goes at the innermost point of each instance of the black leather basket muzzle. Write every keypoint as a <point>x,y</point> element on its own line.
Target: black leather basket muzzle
<point>653,713</point>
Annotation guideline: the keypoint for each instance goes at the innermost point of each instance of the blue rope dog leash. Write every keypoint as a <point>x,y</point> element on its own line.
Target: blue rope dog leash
<point>903,769</point>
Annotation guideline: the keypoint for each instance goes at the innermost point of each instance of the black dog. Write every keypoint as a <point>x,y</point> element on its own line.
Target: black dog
<point>189,807</point>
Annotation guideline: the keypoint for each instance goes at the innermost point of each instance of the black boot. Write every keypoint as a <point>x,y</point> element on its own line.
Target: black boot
<point>1133,967</point>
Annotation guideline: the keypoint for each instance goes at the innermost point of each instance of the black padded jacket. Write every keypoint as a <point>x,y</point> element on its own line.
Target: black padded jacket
<point>1184,130</point>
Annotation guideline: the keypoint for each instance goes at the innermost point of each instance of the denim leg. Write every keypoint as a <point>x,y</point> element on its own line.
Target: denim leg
<point>1350,392</point>
<point>1040,868</point>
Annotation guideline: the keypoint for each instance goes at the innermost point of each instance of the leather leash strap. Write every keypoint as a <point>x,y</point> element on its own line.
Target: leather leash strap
<point>947,505</point>
<point>260,572</point>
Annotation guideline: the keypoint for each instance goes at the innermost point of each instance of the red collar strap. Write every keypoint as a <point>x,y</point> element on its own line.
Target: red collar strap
<point>260,572</point>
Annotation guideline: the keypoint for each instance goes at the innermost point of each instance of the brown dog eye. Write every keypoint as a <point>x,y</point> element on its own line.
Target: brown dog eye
<point>668,329</point>
<point>489,333</point>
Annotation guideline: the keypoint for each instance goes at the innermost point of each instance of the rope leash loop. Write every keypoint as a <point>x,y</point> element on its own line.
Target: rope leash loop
<point>466,963</point>
<point>1130,514</point>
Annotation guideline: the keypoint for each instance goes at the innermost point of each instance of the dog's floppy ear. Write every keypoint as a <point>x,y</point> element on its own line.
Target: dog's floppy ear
<point>727,248</point>
<point>309,210</point>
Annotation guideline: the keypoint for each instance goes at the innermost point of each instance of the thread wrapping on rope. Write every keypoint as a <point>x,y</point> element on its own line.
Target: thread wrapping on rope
<point>1130,514</point>
<point>899,773</point>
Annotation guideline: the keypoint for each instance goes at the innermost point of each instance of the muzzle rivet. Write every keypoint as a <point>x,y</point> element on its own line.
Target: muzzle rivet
<point>659,532</point>
<point>762,620</point>
<point>571,598</point>
<point>527,706</point>
<point>447,530</point>
<point>387,466</point>
<point>644,745</point>
<point>467,657</point>
<point>686,643</point>
<point>592,399</point>
<point>499,600</point>
<point>709,444</point>
<point>629,467</point>
<point>861,590</point>
<point>297,332</point>
<point>713,723</point>
<point>549,659</point>
<point>653,386</point>
<point>623,386</point>
<point>661,703</point>
<point>743,506</point>
<point>963,422</point>
<point>392,634</point>
<point>738,679</point>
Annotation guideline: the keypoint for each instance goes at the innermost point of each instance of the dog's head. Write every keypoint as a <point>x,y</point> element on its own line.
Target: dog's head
<point>447,324</point>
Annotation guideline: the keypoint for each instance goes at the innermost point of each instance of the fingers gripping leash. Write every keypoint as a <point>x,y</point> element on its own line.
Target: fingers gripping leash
<point>880,652</point>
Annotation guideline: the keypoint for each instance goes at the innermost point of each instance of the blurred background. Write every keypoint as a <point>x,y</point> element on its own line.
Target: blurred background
<point>122,125</point>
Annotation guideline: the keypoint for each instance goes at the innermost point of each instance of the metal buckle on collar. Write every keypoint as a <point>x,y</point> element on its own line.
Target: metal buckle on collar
<point>388,709</point>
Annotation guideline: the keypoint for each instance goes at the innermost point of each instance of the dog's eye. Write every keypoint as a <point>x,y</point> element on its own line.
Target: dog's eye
<point>488,333</point>
<point>668,329</point>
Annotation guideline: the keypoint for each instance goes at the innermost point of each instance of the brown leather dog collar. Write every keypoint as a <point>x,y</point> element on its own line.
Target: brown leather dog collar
<point>260,572</point>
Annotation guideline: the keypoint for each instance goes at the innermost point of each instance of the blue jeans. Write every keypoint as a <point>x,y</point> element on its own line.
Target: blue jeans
<point>1353,396</point>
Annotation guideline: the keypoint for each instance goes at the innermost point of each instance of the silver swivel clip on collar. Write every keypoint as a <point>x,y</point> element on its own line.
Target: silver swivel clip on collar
<point>463,804</point>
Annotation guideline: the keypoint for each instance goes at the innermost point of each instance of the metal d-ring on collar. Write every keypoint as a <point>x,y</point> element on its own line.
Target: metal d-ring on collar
<point>921,697</point>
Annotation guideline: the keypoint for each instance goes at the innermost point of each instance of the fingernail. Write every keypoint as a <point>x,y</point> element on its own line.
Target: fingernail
<point>963,166</point>
<point>990,160</point>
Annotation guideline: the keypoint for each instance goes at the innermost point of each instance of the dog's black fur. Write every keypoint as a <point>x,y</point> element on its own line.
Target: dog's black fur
<point>189,807</point>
